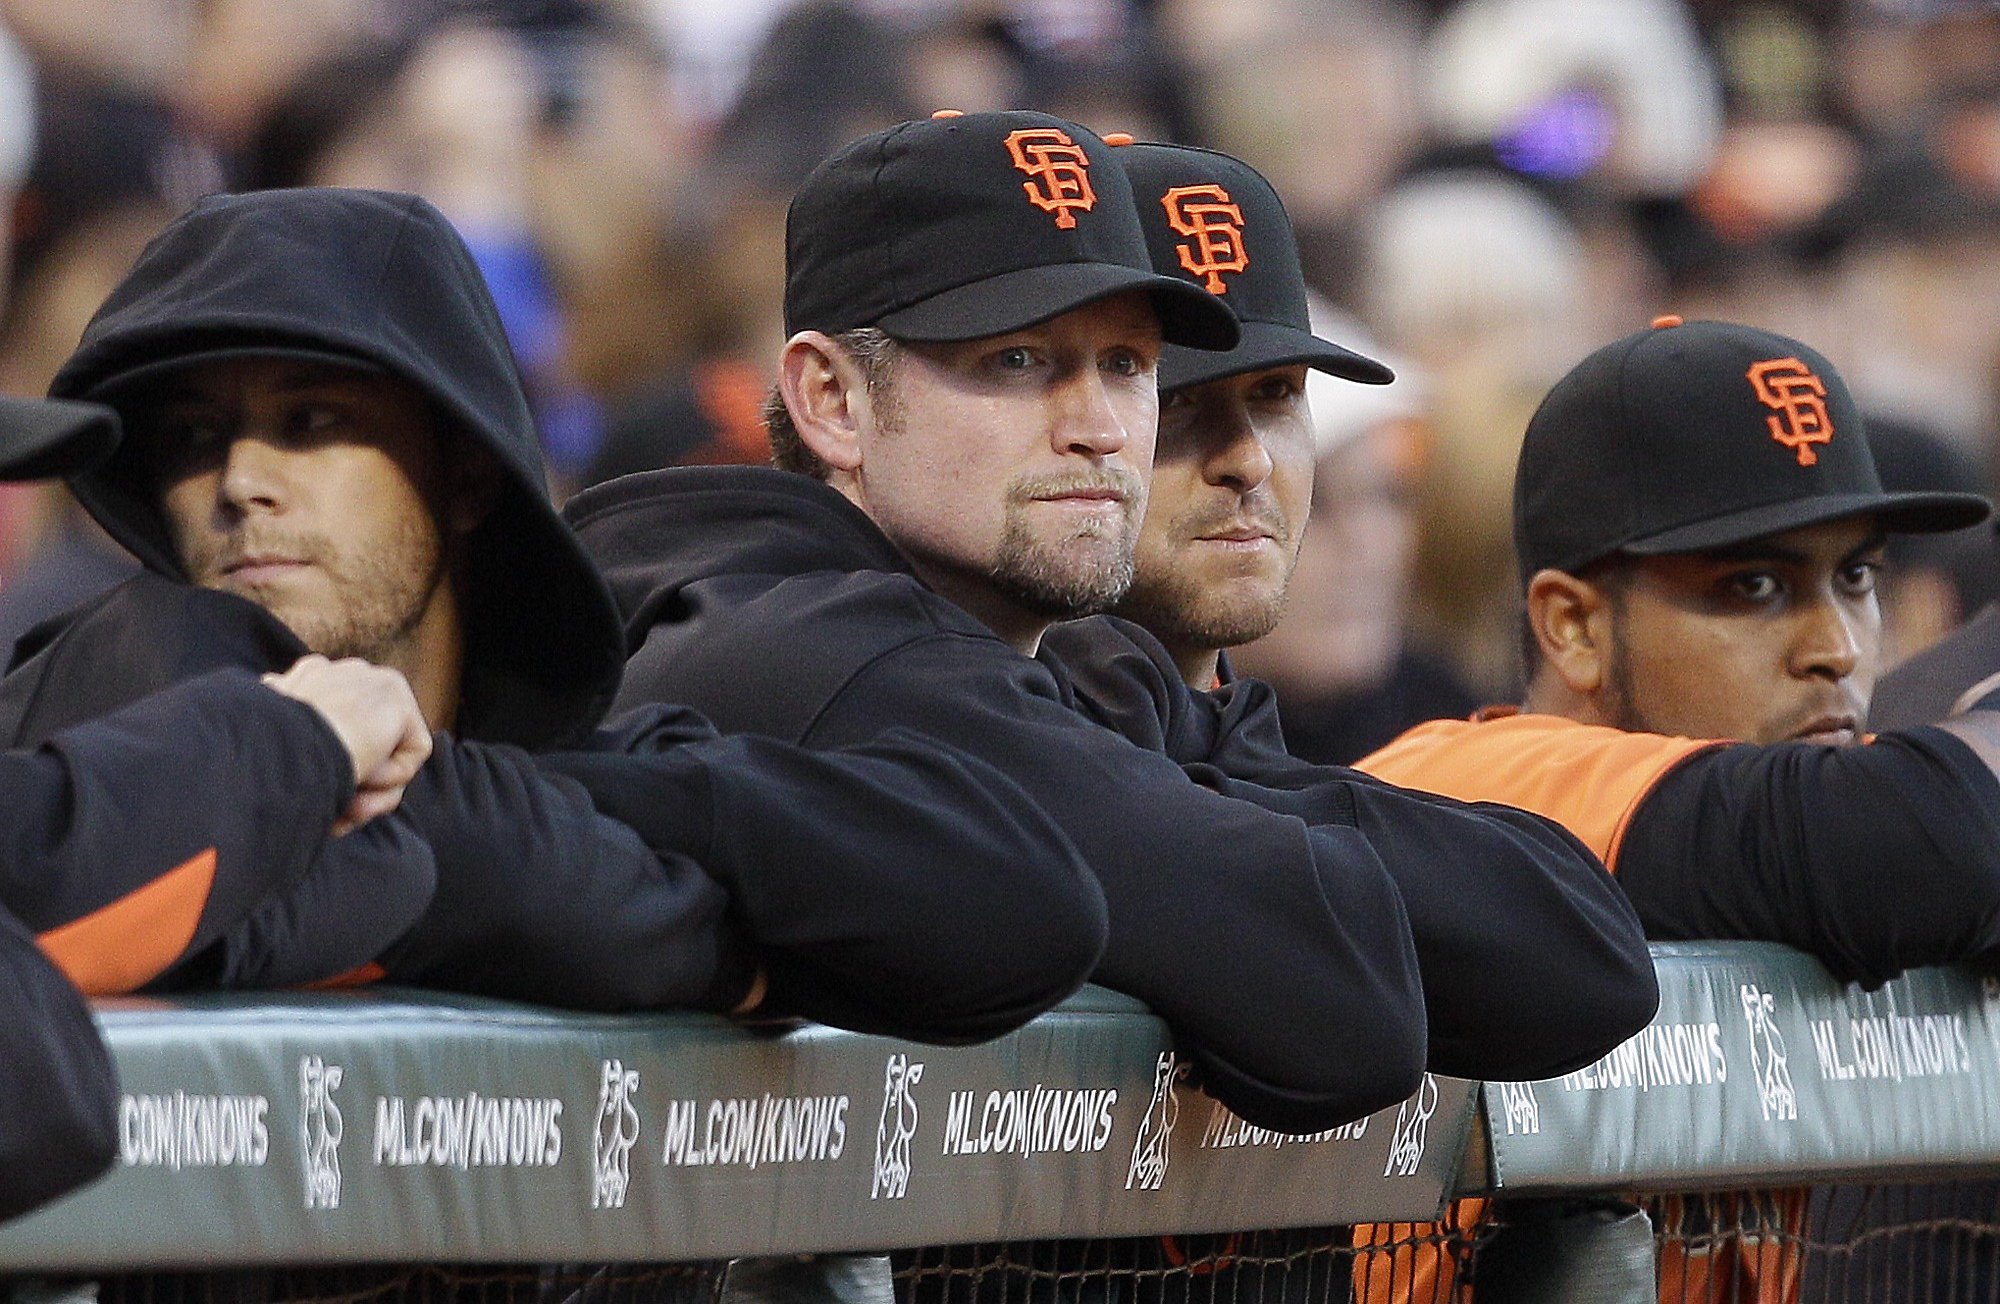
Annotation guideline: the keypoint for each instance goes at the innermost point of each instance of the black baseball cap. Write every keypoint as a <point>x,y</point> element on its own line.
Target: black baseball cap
<point>41,437</point>
<point>1696,435</point>
<point>1214,222</point>
<point>967,225</point>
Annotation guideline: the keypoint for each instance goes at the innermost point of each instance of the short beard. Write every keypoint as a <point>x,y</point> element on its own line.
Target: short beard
<point>1615,701</point>
<point>379,598</point>
<point>1175,609</point>
<point>1059,580</point>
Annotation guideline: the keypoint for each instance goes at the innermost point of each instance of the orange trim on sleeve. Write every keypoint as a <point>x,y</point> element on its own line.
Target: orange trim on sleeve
<point>123,946</point>
<point>1587,778</point>
<point>356,977</point>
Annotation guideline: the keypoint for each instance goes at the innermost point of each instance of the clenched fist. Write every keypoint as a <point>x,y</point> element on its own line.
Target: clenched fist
<point>374,714</point>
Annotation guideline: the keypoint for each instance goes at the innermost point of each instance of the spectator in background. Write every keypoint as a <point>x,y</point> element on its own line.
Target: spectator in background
<point>1349,672</point>
<point>1930,582</point>
<point>1480,282</point>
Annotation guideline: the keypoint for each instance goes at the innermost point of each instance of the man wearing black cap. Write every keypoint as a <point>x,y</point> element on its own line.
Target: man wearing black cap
<point>96,828</point>
<point>1515,949</point>
<point>967,403</point>
<point>325,420</point>
<point>1232,479</point>
<point>1698,522</point>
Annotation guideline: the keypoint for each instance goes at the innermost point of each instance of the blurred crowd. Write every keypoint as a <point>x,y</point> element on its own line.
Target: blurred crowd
<point>1484,190</point>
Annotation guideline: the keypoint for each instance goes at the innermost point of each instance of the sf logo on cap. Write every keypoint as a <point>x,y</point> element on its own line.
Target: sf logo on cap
<point>1799,397</point>
<point>1058,172</point>
<point>1206,215</point>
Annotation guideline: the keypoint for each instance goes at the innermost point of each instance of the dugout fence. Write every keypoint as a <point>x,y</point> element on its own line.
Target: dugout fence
<point>1794,1139</point>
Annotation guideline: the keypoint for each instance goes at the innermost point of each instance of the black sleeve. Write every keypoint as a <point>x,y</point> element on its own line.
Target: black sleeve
<point>1279,954</point>
<point>58,1094</point>
<point>1533,962</point>
<point>540,897</point>
<point>1875,858</point>
<point>365,890</point>
<point>221,783</point>
<point>899,887</point>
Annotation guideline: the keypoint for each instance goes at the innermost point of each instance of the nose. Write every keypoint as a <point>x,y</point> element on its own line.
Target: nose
<point>1084,420</point>
<point>1237,459</point>
<point>252,477</point>
<point>1832,639</point>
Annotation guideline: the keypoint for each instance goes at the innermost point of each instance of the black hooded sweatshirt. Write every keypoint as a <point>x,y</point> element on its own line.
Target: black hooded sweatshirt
<point>102,851</point>
<point>1279,954</point>
<point>730,855</point>
<point>1534,961</point>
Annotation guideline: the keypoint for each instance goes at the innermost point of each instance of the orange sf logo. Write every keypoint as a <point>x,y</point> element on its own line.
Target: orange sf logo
<point>1206,215</point>
<point>1799,397</point>
<point>1058,172</point>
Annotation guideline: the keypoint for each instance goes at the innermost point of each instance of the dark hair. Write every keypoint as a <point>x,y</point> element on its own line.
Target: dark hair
<point>875,352</point>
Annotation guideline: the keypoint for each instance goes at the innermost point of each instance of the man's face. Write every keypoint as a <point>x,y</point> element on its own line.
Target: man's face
<point>309,489</point>
<point>1012,468</point>
<point>1232,485</point>
<point>1775,639</point>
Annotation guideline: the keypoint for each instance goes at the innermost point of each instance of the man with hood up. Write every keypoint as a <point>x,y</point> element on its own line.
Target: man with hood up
<point>324,420</point>
<point>965,419</point>
<point>96,831</point>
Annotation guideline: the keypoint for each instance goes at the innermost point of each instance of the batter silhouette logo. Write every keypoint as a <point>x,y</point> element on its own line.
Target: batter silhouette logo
<point>320,1130</point>
<point>1798,398</point>
<point>1213,225</point>
<point>1768,1063</point>
<point>1523,1112</point>
<point>1150,1148</point>
<point>1057,169</point>
<point>617,1132</point>
<point>897,1128</point>
<point>1412,1131</point>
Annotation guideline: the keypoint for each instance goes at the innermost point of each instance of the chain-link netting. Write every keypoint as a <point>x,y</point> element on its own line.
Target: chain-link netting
<point>1923,1243</point>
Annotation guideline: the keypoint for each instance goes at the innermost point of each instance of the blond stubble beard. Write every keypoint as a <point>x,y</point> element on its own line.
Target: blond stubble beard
<point>377,598</point>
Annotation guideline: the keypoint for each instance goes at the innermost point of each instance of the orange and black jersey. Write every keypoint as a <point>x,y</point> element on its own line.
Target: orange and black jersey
<point>135,843</point>
<point>1874,858</point>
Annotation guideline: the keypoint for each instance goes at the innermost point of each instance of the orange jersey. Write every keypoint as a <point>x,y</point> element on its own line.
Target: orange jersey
<point>1587,778</point>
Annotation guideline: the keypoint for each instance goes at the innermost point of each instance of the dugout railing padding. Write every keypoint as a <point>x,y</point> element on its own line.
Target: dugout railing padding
<point>405,1127</point>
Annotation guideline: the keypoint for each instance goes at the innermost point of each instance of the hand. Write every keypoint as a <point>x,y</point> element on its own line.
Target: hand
<point>374,714</point>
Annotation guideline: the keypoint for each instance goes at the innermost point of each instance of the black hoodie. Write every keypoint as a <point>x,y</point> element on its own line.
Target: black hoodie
<point>381,281</point>
<point>1279,954</point>
<point>102,852</point>
<point>1534,961</point>
<point>597,880</point>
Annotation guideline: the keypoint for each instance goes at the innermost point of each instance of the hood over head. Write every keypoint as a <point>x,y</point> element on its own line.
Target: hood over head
<point>379,281</point>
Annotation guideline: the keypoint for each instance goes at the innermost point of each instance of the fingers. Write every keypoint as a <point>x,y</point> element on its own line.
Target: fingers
<point>373,713</point>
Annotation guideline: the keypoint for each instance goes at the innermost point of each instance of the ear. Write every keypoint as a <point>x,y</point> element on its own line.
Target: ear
<point>1571,621</point>
<point>472,488</point>
<point>827,396</point>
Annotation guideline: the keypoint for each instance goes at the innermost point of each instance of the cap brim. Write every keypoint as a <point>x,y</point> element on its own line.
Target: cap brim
<point>1011,301</point>
<point>49,437</point>
<point>120,383</point>
<point>1265,345</point>
<point>1900,513</point>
